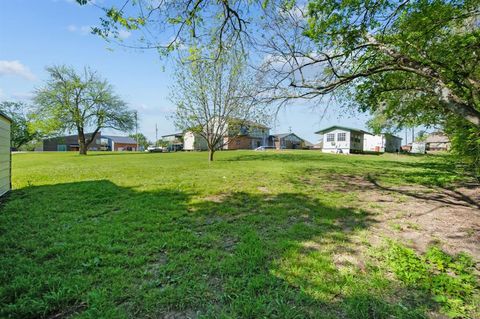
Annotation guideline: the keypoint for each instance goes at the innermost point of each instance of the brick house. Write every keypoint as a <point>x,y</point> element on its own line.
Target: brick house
<point>245,135</point>
<point>119,143</point>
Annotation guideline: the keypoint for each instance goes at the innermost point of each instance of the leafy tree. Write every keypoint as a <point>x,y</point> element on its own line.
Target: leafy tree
<point>421,136</point>
<point>142,140</point>
<point>397,58</point>
<point>21,131</point>
<point>208,94</point>
<point>182,22</point>
<point>80,101</point>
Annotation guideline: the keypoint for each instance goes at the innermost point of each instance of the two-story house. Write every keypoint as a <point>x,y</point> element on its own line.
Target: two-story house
<point>242,134</point>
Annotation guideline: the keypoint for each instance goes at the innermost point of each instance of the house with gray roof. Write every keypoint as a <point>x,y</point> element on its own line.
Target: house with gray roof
<point>342,139</point>
<point>288,141</point>
<point>119,143</point>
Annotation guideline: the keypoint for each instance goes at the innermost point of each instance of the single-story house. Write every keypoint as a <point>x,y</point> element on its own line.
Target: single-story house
<point>194,142</point>
<point>341,139</point>
<point>382,143</point>
<point>5,154</point>
<point>288,141</point>
<point>437,141</point>
<point>175,141</point>
<point>70,143</point>
<point>243,134</point>
<point>118,143</point>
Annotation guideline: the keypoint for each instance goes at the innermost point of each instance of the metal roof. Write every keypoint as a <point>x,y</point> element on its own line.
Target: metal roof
<point>342,128</point>
<point>121,139</point>
<point>174,134</point>
<point>282,135</point>
<point>6,116</point>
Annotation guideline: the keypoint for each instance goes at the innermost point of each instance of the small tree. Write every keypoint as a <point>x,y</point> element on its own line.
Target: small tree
<point>21,130</point>
<point>141,139</point>
<point>209,93</point>
<point>72,101</point>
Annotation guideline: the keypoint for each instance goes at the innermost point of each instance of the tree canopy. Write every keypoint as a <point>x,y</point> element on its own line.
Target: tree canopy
<point>21,130</point>
<point>209,94</point>
<point>74,101</point>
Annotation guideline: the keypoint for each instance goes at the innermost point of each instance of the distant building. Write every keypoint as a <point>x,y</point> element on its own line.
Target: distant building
<point>5,154</point>
<point>70,143</point>
<point>100,143</point>
<point>382,143</point>
<point>194,142</point>
<point>245,135</point>
<point>175,141</point>
<point>288,141</point>
<point>341,139</point>
<point>437,141</point>
<point>118,143</point>
<point>418,148</point>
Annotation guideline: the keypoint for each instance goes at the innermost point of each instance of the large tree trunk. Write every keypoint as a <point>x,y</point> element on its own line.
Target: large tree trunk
<point>81,142</point>
<point>210,155</point>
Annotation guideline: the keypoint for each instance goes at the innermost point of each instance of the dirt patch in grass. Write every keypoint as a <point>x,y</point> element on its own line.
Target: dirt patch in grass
<point>420,216</point>
<point>185,314</point>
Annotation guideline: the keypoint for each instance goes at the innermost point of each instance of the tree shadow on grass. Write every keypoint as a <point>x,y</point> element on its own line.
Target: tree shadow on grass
<point>95,249</point>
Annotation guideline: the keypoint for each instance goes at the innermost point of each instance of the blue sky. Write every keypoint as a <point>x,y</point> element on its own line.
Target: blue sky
<point>38,33</point>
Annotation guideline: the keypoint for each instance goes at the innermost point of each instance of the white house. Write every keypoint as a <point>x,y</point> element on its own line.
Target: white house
<point>382,143</point>
<point>340,139</point>
<point>5,157</point>
<point>194,142</point>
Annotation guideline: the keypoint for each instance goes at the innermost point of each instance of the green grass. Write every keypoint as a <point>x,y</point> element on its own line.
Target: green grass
<point>251,235</point>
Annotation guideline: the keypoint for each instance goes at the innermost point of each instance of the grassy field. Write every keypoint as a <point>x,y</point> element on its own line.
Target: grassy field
<point>251,235</point>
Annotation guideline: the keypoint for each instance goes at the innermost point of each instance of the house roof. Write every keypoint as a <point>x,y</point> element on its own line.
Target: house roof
<point>5,116</point>
<point>174,134</point>
<point>345,128</point>
<point>284,135</point>
<point>121,139</point>
<point>437,137</point>
<point>248,122</point>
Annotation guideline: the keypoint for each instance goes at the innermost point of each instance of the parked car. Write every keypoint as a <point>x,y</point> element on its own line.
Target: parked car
<point>155,149</point>
<point>264,148</point>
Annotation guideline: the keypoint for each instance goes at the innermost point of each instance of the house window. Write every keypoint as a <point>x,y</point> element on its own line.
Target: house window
<point>330,137</point>
<point>341,137</point>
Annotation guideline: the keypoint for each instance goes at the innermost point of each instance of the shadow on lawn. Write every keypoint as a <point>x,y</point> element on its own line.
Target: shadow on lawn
<point>107,251</point>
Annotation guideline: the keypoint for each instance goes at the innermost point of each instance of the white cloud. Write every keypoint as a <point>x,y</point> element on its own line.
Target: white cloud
<point>83,29</point>
<point>16,68</point>
<point>124,34</point>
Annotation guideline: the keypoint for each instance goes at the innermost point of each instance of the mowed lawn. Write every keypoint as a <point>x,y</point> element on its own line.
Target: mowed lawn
<point>251,235</point>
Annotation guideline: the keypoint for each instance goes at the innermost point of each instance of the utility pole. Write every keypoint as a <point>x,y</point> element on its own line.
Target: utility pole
<point>406,136</point>
<point>156,135</point>
<point>413,134</point>
<point>136,128</point>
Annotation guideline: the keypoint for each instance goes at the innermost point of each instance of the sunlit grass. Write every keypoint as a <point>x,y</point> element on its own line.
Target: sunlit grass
<point>251,235</point>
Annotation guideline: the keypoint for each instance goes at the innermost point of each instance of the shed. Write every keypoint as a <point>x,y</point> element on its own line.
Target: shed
<point>5,154</point>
